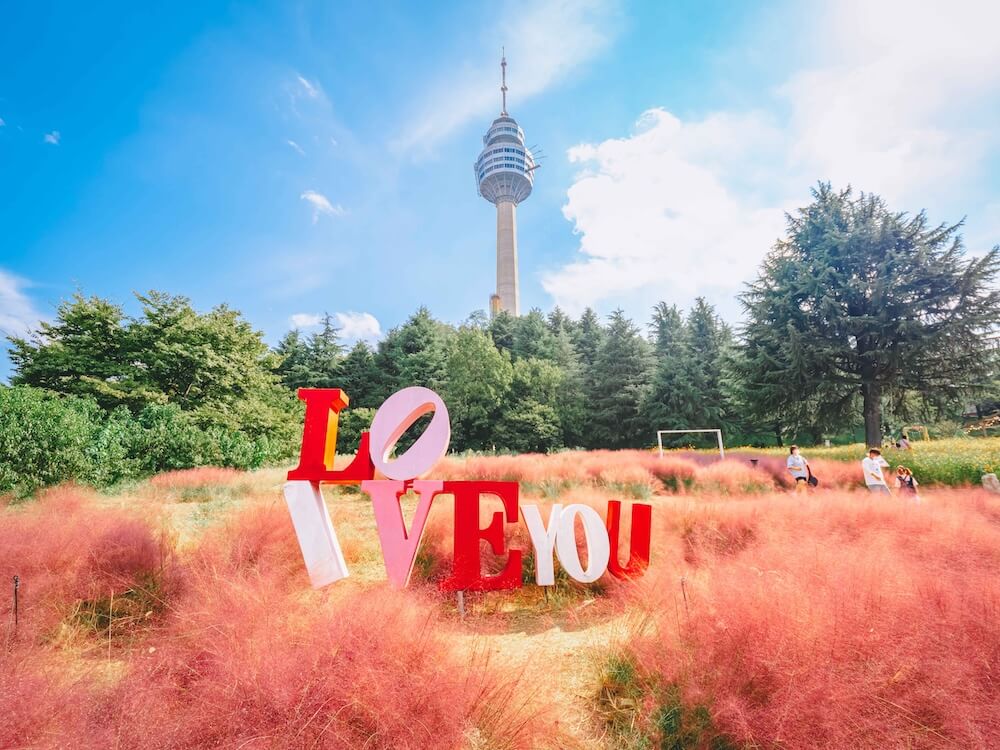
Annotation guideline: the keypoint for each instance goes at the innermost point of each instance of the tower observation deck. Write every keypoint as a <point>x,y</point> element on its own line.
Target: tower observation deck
<point>505,172</point>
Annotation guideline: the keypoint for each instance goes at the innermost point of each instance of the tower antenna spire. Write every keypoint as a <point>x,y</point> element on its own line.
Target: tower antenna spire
<point>503,82</point>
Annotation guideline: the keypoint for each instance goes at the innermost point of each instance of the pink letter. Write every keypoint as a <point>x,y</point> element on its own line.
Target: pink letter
<point>394,417</point>
<point>399,549</point>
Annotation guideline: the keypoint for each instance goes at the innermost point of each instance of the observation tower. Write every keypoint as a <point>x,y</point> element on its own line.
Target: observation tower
<point>505,172</point>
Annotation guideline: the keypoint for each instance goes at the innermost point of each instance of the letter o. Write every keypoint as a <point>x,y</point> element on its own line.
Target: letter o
<point>598,544</point>
<point>394,417</point>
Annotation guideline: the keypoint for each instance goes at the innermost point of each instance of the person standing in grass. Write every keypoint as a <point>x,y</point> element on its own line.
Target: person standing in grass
<point>798,467</point>
<point>872,466</point>
<point>906,482</point>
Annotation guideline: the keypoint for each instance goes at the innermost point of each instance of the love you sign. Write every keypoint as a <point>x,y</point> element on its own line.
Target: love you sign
<point>398,474</point>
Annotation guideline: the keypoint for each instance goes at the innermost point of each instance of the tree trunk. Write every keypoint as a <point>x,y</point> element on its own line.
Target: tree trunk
<point>777,435</point>
<point>871,394</point>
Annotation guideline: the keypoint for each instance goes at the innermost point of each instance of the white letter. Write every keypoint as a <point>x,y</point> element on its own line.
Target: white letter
<point>543,541</point>
<point>317,539</point>
<point>598,545</point>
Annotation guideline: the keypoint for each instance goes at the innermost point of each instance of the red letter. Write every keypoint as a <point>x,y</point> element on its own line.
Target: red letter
<point>319,441</point>
<point>467,574</point>
<point>638,559</point>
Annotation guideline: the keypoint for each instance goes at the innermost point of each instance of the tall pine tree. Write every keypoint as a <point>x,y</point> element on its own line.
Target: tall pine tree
<point>863,301</point>
<point>671,395</point>
<point>620,376</point>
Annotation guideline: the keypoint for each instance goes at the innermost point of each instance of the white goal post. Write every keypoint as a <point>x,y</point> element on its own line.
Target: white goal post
<point>661,433</point>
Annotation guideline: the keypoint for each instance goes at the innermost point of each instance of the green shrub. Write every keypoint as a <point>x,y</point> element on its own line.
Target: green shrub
<point>46,439</point>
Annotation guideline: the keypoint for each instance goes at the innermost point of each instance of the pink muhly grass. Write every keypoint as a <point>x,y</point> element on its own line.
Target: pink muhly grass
<point>241,663</point>
<point>201,476</point>
<point>733,477</point>
<point>64,549</point>
<point>42,705</point>
<point>838,620</point>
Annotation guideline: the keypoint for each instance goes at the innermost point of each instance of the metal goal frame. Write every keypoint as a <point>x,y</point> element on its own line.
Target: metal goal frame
<point>718,435</point>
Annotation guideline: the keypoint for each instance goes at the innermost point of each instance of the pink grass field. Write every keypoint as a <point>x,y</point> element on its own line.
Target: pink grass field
<point>833,619</point>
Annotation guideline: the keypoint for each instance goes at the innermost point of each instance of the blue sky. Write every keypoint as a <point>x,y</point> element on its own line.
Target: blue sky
<point>295,158</point>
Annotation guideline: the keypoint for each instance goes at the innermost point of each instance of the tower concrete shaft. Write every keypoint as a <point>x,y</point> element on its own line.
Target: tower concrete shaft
<point>507,287</point>
<point>505,173</point>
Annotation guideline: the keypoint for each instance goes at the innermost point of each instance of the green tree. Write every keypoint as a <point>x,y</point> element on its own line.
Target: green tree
<point>213,365</point>
<point>588,336</point>
<point>671,395</point>
<point>293,355</point>
<point>572,403</point>
<point>529,422</point>
<point>532,337</point>
<point>502,327</point>
<point>707,340</point>
<point>413,354</point>
<point>620,376</point>
<point>84,352</point>
<point>325,355</point>
<point>479,380</point>
<point>360,377</point>
<point>860,300</point>
<point>560,322</point>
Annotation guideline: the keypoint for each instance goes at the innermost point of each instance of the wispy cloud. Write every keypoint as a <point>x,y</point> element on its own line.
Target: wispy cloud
<point>305,320</point>
<point>310,89</point>
<point>321,205</point>
<point>2,123</point>
<point>18,316</point>
<point>545,41</point>
<point>305,98</point>
<point>685,207</point>
<point>52,138</point>
<point>353,326</point>
<point>296,147</point>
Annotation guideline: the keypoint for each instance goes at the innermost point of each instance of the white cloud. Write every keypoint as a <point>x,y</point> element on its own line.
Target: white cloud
<point>18,316</point>
<point>544,42</point>
<point>321,205</point>
<point>2,123</point>
<point>310,89</point>
<point>668,207</point>
<point>305,320</point>
<point>895,109</point>
<point>52,137</point>
<point>897,105</point>
<point>296,147</point>
<point>354,326</point>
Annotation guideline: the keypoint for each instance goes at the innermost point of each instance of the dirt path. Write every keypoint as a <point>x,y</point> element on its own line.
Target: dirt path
<point>558,664</point>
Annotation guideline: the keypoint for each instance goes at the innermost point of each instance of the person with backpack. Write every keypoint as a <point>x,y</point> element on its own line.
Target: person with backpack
<point>906,483</point>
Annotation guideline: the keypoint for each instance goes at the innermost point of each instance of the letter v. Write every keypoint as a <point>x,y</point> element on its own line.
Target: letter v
<point>399,548</point>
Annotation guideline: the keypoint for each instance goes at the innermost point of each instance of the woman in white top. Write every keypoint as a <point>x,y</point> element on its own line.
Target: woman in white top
<point>798,467</point>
